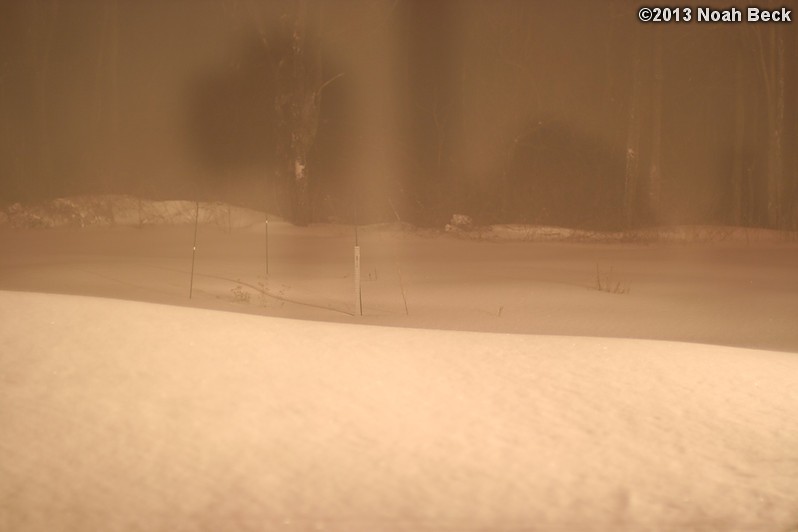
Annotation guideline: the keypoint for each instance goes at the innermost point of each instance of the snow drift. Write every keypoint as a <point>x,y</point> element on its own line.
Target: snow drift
<point>131,416</point>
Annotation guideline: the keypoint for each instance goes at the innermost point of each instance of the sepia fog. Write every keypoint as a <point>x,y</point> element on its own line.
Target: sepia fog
<point>398,265</point>
<point>510,111</point>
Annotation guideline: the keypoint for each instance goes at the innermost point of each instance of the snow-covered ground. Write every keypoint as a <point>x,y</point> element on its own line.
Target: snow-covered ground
<point>135,415</point>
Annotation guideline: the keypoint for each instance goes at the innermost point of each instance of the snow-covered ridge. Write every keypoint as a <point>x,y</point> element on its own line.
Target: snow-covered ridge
<point>121,210</point>
<point>679,233</point>
<point>120,415</point>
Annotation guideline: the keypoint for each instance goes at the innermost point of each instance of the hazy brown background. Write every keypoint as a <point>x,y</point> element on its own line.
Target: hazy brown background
<point>508,110</point>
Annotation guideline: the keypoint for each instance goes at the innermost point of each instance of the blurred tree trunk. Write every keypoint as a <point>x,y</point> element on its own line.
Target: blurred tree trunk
<point>114,100</point>
<point>295,63</point>
<point>793,224</point>
<point>7,167</point>
<point>738,157</point>
<point>631,174</point>
<point>771,61</point>
<point>776,214</point>
<point>655,168</point>
<point>304,111</point>
<point>298,103</point>
<point>44,16</point>
<point>107,89</point>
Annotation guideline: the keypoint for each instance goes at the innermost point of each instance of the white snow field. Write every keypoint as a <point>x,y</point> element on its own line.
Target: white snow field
<point>121,415</point>
<point>602,411</point>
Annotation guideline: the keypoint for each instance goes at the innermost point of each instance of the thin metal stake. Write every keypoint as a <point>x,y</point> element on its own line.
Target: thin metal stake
<point>267,245</point>
<point>358,293</point>
<point>194,252</point>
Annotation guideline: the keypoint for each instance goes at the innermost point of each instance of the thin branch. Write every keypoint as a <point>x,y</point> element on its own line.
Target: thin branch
<point>763,62</point>
<point>324,85</point>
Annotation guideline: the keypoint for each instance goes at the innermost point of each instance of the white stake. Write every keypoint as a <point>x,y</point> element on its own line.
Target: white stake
<point>267,245</point>
<point>358,298</point>
<point>193,252</point>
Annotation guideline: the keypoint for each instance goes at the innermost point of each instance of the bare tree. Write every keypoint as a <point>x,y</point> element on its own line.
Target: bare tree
<point>739,214</point>
<point>299,101</point>
<point>631,173</point>
<point>44,14</point>
<point>655,166</point>
<point>297,71</point>
<point>770,47</point>
<point>107,94</point>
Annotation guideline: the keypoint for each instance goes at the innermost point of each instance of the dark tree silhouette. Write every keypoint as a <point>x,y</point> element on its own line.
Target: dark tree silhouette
<point>264,110</point>
<point>632,171</point>
<point>298,101</point>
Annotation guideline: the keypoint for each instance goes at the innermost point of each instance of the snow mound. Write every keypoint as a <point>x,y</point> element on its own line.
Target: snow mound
<point>665,234</point>
<point>61,212</point>
<point>130,416</point>
<point>121,210</point>
<point>107,210</point>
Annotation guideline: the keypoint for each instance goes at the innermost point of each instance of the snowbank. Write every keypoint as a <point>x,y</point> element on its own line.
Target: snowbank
<point>130,416</point>
<point>84,211</point>
<point>107,210</point>
<point>671,234</point>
